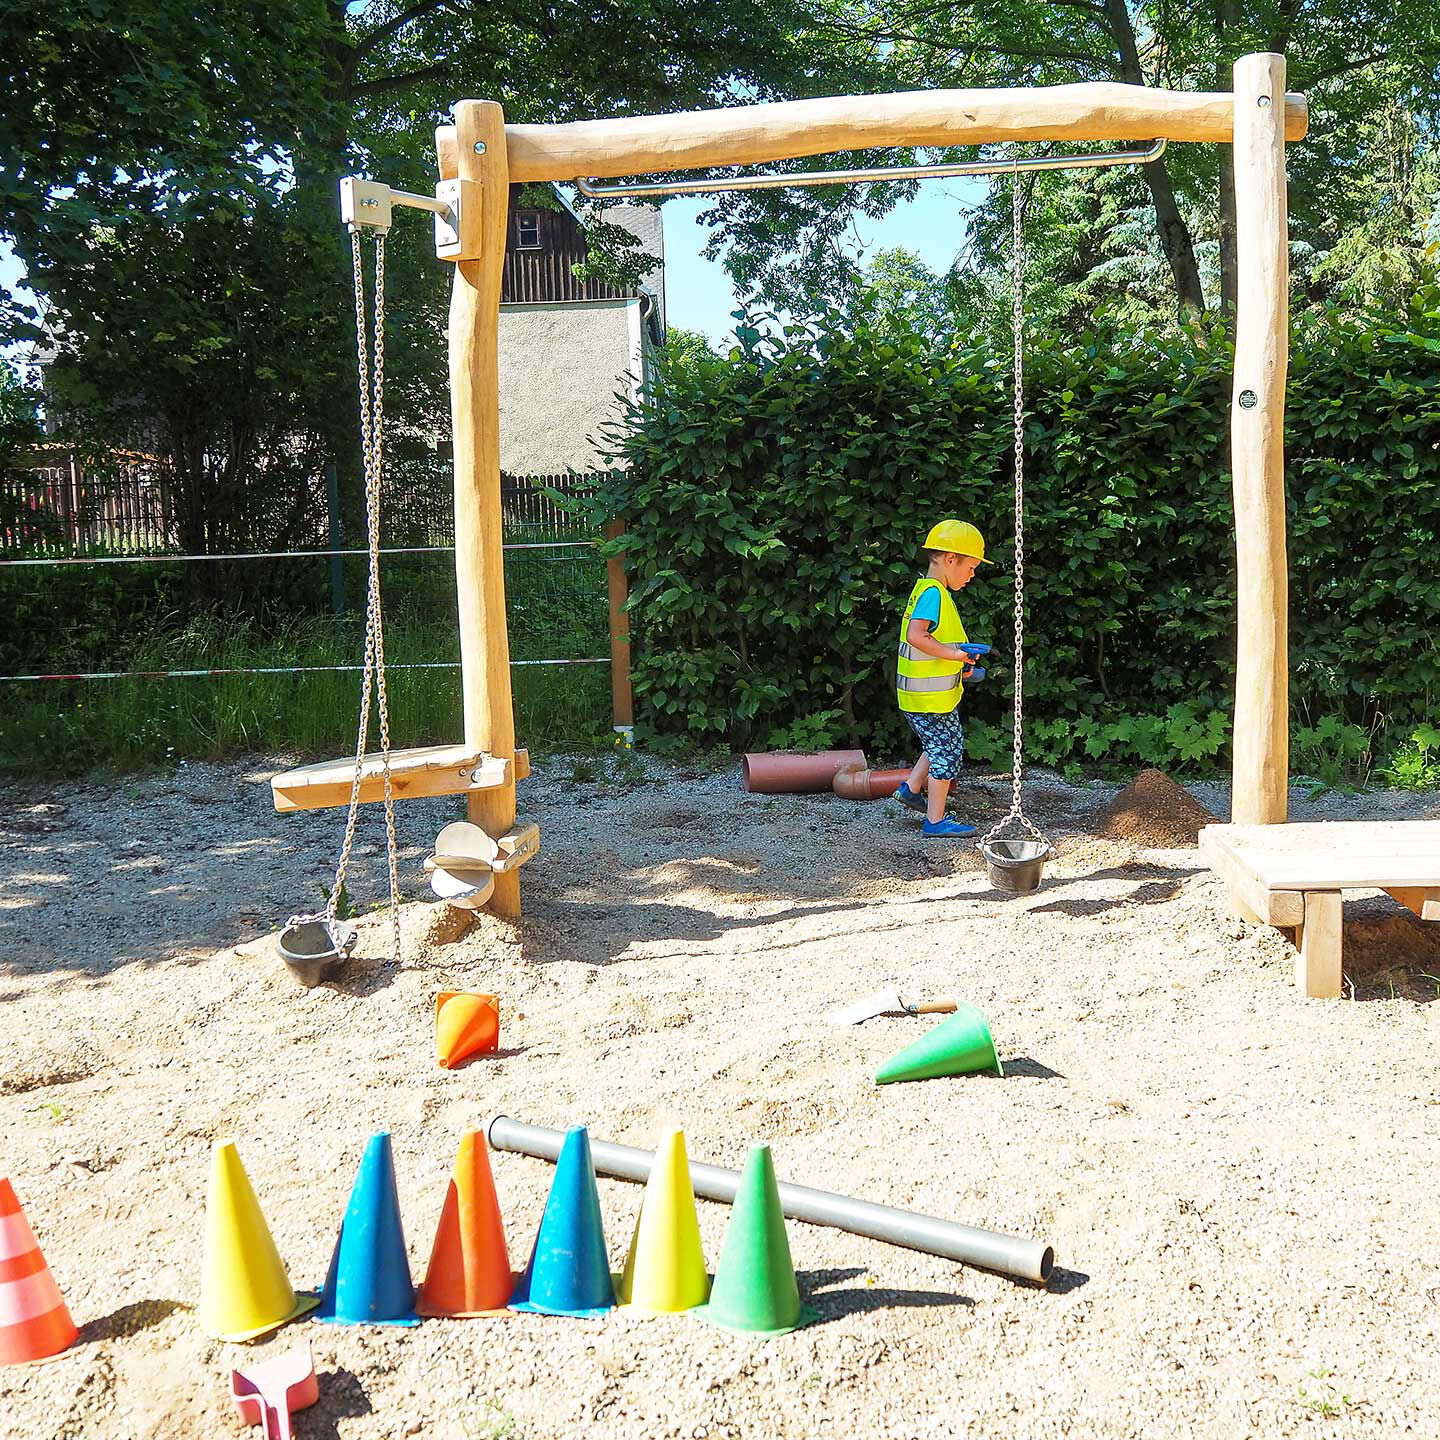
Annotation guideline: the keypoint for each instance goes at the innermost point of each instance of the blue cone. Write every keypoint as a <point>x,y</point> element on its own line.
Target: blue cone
<point>569,1271</point>
<point>369,1279</point>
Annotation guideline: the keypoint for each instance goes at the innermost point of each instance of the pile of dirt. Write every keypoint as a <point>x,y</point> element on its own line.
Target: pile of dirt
<point>1155,813</point>
<point>1381,936</point>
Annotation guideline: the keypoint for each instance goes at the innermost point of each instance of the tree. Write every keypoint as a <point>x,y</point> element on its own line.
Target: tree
<point>169,184</point>
<point>899,291</point>
<point>686,347</point>
<point>1350,59</point>
<point>19,416</point>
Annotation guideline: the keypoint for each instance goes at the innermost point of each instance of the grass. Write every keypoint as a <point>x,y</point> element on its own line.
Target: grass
<point>1324,1398</point>
<point>557,610</point>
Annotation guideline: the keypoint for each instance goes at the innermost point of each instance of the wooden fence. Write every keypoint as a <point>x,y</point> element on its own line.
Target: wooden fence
<point>52,506</point>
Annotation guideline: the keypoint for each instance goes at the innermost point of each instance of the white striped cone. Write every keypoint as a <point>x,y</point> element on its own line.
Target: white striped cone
<point>34,1321</point>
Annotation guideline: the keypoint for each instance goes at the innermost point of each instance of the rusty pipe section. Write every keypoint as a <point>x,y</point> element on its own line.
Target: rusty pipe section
<point>779,773</point>
<point>867,784</point>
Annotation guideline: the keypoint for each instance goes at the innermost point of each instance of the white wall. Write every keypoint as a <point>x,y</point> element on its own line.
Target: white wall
<point>560,366</point>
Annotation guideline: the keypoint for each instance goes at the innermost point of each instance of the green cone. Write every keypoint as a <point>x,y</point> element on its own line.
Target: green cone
<point>755,1291</point>
<point>957,1046</point>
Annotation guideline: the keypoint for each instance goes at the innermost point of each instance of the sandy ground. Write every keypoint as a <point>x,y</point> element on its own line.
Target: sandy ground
<point>1241,1187</point>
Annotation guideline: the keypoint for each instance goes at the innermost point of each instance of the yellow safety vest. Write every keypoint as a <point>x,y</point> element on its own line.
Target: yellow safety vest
<point>924,685</point>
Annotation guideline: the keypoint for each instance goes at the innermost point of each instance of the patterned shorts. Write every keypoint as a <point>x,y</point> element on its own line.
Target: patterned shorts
<point>943,739</point>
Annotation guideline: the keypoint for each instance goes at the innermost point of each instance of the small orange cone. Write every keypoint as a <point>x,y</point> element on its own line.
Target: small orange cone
<point>466,1024</point>
<point>34,1322</point>
<point>469,1271</point>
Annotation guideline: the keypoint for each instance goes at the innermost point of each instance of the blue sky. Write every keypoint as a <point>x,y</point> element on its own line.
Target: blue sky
<point>698,292</point>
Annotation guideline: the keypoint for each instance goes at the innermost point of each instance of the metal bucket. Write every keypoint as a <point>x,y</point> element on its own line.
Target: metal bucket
<point>310,949</point>
<point>1016,865</point>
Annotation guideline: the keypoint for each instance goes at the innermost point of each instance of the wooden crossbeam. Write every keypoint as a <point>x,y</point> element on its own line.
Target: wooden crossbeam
<point>791,129</point>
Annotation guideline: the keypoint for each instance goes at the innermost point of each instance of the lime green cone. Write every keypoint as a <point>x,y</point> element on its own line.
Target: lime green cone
<point>957,1046</point>
<point>755,1291</point>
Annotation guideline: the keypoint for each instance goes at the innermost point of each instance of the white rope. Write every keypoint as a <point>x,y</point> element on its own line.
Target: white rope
<point>1017,316</point>
<point>280,670</point>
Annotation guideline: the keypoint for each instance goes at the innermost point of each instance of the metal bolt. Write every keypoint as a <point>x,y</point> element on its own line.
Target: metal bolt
<point>1263,102</point>
<point>1248,399</point>
<point>479,147</point>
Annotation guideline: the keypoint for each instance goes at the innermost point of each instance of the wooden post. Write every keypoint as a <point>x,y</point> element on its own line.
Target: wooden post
<point>1261,773</point>
<point>622,702</point>
<point>1319,963</point>
<point>475,413</point>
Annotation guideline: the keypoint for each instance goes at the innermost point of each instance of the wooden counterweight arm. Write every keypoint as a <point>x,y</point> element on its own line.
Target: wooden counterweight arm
<point>786,130</point>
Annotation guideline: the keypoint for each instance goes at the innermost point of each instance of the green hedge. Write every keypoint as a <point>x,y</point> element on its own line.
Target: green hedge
<point>775,502</point>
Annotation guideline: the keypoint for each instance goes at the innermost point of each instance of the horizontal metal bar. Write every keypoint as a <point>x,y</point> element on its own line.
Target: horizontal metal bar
<point>421,202</point>
<point>289,554</point>
<point>276,670</point>
<point>776,180</point>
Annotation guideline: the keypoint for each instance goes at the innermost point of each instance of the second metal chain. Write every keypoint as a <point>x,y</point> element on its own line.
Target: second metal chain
<point>1017,316</point>
<point>372,412</point>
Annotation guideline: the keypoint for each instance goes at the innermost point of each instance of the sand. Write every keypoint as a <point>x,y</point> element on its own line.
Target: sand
<point>1240,1186</point>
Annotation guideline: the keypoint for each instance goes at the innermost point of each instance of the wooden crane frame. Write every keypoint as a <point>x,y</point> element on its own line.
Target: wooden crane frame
<point>480,156</point>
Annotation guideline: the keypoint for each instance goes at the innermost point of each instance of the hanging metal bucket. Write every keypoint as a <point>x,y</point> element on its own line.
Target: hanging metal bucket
<point>1016,865</point>
<point>311,949</point>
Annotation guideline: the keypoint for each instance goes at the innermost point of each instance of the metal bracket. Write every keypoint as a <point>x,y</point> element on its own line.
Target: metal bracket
<point>369,205</point>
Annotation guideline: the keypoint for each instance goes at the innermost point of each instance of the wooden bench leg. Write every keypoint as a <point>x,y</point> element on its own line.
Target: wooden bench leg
<point>1318,966</point>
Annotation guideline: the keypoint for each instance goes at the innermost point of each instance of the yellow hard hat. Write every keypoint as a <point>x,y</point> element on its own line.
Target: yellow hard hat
<point>960,537</point>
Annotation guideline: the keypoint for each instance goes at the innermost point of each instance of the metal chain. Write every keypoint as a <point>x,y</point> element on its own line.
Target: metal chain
<point>372,401</point>
<point>375,618</point>
<point>1017,315</point>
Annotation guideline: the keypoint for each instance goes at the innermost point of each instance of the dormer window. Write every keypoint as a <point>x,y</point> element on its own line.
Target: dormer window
<point>527,230</point>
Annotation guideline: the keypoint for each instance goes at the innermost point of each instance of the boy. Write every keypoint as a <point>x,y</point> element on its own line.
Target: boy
<point>930,670</point>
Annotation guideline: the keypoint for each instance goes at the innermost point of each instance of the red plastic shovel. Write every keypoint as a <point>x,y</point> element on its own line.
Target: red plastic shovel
<point>266,1393</point>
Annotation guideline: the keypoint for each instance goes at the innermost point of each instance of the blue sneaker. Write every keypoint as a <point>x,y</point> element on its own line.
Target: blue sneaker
<point>947,829</point>
<point>908,798</point>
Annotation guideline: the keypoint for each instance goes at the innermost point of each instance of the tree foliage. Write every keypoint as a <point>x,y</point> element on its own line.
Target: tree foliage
<point>1169,226</point>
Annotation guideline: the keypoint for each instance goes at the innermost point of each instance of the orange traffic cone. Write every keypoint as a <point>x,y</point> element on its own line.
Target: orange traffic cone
<point>466,1024</point>
<point>469,1271</point>
<point>34,1322</point>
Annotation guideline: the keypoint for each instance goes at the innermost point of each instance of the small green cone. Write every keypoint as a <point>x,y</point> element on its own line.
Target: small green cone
<point>957,1046</point>
<point>755,1291</point>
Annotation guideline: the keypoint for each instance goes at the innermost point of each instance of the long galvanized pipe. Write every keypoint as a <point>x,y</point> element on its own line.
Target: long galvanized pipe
<point>986,1249</point>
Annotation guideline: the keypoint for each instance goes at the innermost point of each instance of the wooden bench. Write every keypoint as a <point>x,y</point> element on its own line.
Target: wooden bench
<point>429,771</point>
<point>1293,876</point>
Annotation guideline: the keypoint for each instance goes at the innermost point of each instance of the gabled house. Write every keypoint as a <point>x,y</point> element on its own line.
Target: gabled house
<point>567,345</point>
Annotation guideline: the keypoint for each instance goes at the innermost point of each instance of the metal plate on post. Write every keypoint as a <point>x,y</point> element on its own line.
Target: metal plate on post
<point>457,233</point>
<point>365,204</point>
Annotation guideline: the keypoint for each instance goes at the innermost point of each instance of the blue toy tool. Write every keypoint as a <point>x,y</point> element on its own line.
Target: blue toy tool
<point>569,1271</point>
<point>369,1279</point>
<point>973,651</point>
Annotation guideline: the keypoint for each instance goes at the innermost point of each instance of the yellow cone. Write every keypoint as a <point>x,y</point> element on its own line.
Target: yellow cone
<point>244,1290</point>
<point>665,1270</point>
